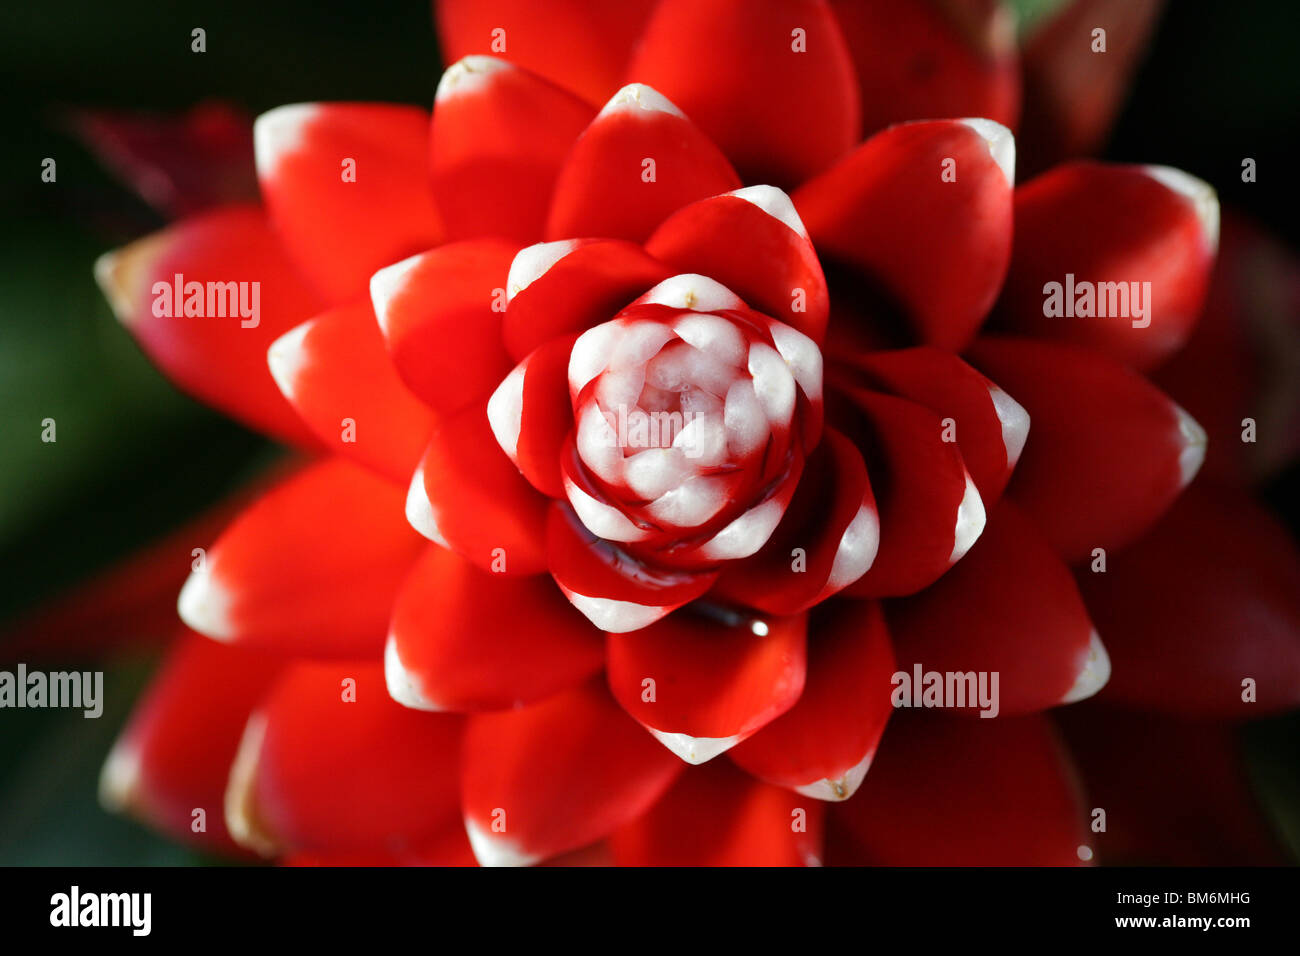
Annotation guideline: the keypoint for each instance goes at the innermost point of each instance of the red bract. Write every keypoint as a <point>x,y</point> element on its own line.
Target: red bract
<point>601,368</point>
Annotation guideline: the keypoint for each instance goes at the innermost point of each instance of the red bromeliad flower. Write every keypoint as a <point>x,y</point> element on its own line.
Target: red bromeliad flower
<point>672,476</point>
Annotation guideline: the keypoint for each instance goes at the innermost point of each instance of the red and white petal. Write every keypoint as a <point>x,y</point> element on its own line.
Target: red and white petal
<point>172,758</point>
<point>310,569</point>
<point>932,59</point>
<point>531,416</point>
<point>441,315</point>
<point>582,45</point>
<point>617,592</point>
<point>468,496</point>
<point>639,161</point>
<point>336,373</point>
<point>991,427</point>
<point>823,746</point>
<point>557,776</point>
<point>827,539</point>
<point>717,816</point>
<point>1009,608</point>
<point>778,94</point>
<point>702,682</point>
<point>217,355</point>
<point>1110,451</point>
<point>1208,599</point>
<point>465,639</point>
<point>1117,258</point>
<point>347,188</point>
<point>945,252</point>
<point>951,792</point>
<point>930,510</point>
<point>496,124</point>
<point>753,242</point>
<point>571,285</point>
<point>328,762</point>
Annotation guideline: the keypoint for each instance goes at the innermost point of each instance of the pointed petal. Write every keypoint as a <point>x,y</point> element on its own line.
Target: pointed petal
<point>701,683</point>
<point>779,95</point>
<point>1209,598</point>
<point>991,426</point>
<point>1110,452</point>
<point>952,792</point>
<point>218,356</point>
<point>329,763</point>
<point>823,746</point>
<point>1010,608</point>
<point>311,568</point>
<point>640,160</point>
<point>753,242</point>
<point>347,187</point>
<point>617,592</point>
<point>531,415</point>
<point>827,539</point>
<point>336,373</point>
<point>944,256</point>
<point>471,499</point>
<point>582,45</point>
<point>495,123</point>
<point>172,758</point>
<point>571,285</point>
<point>717,816</point>
<point>557,775</point>
<point>440,313</point>
<point>1139,241</point>
<point>465,639</point>
<point>932,59</point>
<point>930,511</point>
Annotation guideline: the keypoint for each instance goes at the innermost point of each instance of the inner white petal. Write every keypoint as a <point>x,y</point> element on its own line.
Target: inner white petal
<point>773,383</point>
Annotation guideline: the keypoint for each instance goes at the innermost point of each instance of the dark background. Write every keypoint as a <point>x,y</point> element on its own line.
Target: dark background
<point>135,458</point>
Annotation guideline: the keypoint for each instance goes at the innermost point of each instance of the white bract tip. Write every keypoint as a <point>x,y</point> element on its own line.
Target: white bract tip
<point>694,292</point>
<point>467,75</point>
<point>386,283</point>
<point>1095,673</point>
<point>1201,194</point>
<point>1015,423</point>
<point>970,521</point>
<point>842,787</point>
<point>494,849</point>
<point>614,617</point>
<point>695,750</point>
<point>401,686</point>
<point>533,262</point>
<point>419,510</point>
<point>1194,443</point>
<point>775,203</point>
<point>286,358</point>
<point>278,132</point>
<point>1002,144</point>
<point>638,96</point>
<point>204,605</point>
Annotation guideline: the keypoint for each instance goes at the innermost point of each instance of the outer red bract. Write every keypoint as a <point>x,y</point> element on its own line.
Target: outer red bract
<point>682,501</point>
